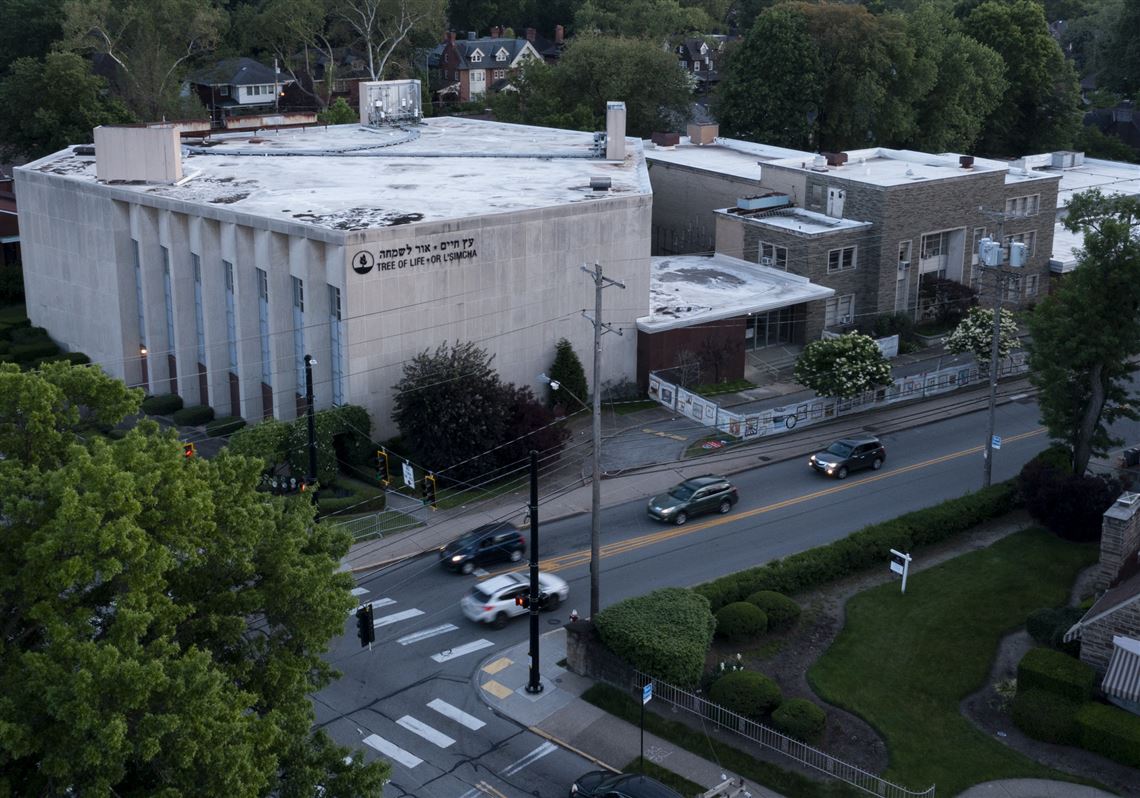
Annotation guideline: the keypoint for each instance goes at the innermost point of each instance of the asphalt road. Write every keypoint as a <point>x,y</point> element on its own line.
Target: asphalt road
<point>411,700</point>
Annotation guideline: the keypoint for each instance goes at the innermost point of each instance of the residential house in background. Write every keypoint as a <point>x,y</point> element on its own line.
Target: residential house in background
<point>330,76</point>
<point>237,87</point>
<point>700,58</point>
<point>470,68</point>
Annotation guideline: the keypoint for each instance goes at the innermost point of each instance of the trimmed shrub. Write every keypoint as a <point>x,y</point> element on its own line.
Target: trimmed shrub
<point>161,405</point>
<point>782,611</point>
<point>665,634</point>
<point>1111,732</point>
<point>77,358</point>
<point>193,416</point>
<point>567,371</point>
<point>1048,625</point>
<point>1046,716</point>
<point>1068,505</point>
<point>741,621</point>
<point>863,549</point>
<point>800,718</point>
<point>746,693</point>
<point>227,425</point>
<point>1057,673</point>
<point>33,350</point>
<point>27,335</point>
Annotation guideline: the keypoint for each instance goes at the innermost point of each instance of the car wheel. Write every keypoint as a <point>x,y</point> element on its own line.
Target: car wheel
<point>725,506</point>
<point>680,519</point>
<point>500,620</point>
<point>877,463</point>
<point>467,567</point>
<point>841,473</point>
<point>516,555</point>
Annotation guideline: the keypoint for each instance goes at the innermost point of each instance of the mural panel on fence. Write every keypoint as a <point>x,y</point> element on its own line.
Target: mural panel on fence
<point>775,420</point>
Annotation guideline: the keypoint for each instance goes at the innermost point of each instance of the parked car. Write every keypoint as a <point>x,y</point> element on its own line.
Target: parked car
<point>483,545</point>
<point>494,600</point>
<point>706,494</point>
<point>849,454</point>
<point>599,783</point>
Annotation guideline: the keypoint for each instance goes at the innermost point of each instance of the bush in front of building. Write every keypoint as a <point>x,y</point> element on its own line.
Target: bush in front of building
<point>1068,505</point>
<point>1046,716</point>
<point>1111,732</point>
<point>27,353</point>
<point>27,335</point>
<point>863,549</point>
<point>1057,673</point>
<point>1047,626</point>
<point>227,425</point>
<point>665,634</point>
<point>746,693</point>
<point>162,404</point>
<point>193,416</point>
<point>567,371</point>
<point>782,611</point>
<point>740,621</point>
<point>800,718</point>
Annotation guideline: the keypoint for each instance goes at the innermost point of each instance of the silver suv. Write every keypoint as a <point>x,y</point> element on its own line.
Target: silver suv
<point>496,600</point>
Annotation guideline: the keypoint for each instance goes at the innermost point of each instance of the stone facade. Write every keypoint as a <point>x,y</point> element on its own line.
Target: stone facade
<point>1119,541</point>
<point>587,656</point>
<point>1096,637</point>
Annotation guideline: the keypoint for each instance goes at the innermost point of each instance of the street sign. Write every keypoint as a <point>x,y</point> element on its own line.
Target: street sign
<point>409,476</point>
<point>646,693</point>
<point>900,564</point>
<point>995,442</point>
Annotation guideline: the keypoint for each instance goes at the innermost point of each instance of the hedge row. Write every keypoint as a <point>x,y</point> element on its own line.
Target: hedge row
<point>1048,625</point>
<point>1046,716</point>
<point>33,350</point>
<point>665,634</point>
<point>162,405</point>
<point>1110,731</point>
<point>193,416</point>
<point>746,693</point>
<point>1057,673</point>
<point>782,611</point>
<point>864,549</point>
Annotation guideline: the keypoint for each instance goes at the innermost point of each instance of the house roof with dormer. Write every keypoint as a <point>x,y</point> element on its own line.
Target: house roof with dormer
<point>485,53</point>
<point>238,72</point>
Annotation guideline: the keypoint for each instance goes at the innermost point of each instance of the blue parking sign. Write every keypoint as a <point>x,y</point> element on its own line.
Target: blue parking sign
<point>646,693</point>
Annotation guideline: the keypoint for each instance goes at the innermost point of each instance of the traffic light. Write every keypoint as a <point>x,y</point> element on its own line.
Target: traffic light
<point>365,627</point>
<point>188,451</point>
<point>523,601</point>
<point>382,475</point>
<point>429,490</point>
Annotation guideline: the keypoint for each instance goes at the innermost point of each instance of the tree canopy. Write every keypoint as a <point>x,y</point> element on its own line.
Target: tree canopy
<point>975,334</point>
<point>1087,330</point>
<point>163,620</point>
<point>651,19</point>
<point>843,367</point>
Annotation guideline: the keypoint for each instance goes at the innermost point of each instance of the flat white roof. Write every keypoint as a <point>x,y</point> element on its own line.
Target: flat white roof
<point>731,157</point>
<point>880,166</point>
<point>685,290</point>
<point>798,220</point>
<point>1111,177</point>
<point>1064,242</point>
<point>348,177</point>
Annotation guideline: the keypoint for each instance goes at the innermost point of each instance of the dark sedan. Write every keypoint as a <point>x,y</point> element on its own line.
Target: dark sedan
<point>598,783</point>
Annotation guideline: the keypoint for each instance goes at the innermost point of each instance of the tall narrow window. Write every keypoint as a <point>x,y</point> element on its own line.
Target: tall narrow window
<point>231,324</point>
<point>299,331</point>
<point>168,299</point>
<point>263,325</point>
<point>139,293</point>
<point>336,336</point>
<point>198,308</point>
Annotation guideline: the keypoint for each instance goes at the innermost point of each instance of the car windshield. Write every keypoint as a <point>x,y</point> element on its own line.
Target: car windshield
<point>467,540</point>
<point>840,448</point>
<point>681,492</point>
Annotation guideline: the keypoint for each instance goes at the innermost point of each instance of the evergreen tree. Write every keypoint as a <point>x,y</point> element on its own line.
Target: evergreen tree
<point>567,371</point>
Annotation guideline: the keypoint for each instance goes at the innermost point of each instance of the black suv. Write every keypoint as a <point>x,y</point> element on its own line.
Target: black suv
<point>482,545</point>
<point>849,454</point>
<point>599,783</point>
<point>706,494</point>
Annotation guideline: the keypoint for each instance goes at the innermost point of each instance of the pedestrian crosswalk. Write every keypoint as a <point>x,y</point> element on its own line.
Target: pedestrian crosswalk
<point>445,718</point>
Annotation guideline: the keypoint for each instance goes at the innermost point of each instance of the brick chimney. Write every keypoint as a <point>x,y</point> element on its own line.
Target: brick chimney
<point>496,32</point>
<point>559,31</point>
<point>530,35</point>
<point>451,37</point>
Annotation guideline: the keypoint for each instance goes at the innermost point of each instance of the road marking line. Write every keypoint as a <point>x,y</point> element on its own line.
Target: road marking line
<point>459,651</point>
<point>392,751</point>
<point>494,667</point>
<point>416,637</point>
<point>535,755</point>
<point>479,573</point>
<point>427,732</point>
<point>456,714</point>
<point>384,602</point>
<point>358,591</point>
<point>397,616</point>
<point>489,790</point>
<point>497,690</point>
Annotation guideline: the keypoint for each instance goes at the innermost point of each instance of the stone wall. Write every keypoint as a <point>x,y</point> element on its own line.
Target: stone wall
<point>1096,638</point>
<point>587,656</point>
<point>1119,540</point>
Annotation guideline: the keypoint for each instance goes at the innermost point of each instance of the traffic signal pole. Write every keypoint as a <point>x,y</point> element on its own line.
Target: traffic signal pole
<point>534,684</point>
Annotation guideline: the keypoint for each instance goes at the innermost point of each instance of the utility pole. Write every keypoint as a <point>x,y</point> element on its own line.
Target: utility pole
<point>311,477</point>
<point>534,683</point>
<point>600,282</point>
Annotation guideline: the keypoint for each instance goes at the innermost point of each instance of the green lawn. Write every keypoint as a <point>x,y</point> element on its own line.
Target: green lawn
<point>904,662</point>
<point>666,777</point>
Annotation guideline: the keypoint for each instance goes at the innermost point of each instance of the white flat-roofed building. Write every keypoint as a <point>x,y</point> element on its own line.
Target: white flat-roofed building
<point>359,246</point>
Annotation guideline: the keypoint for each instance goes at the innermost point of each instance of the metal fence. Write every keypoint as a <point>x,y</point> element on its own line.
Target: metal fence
<point>775,741</point>
<point>377,525</point>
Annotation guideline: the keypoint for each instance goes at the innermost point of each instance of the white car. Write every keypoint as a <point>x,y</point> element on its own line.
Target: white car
<point>494,600</point>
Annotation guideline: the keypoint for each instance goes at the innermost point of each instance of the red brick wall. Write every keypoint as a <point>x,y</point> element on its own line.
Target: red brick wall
<point>658,351</point>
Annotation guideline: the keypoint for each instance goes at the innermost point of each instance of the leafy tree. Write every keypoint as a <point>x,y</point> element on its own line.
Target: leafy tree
<point>649,19</point>
<point>772,85</point>
<point>1067,504</point>
<point>1091,40</point>
<point>1122,69</point>
<point>1095,144</point>
<point>1084,334</point>
<point>339,113</point>
<point>567,371</point>
<point>975,334</point>
<point>842,367</point>
<point>59,102</point>
<point>297,32</point>
<point>163,619</point>
<point>1040,111</point>
<point>382,26</point>
<point>593,70</point>
<point>480,15</point>
<point>30,28</point>
<point>531,425</point>
<point>151,43</point>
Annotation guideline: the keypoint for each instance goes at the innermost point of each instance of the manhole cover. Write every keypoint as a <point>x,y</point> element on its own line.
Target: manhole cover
<point>553,621</point>
<point>765,458</point>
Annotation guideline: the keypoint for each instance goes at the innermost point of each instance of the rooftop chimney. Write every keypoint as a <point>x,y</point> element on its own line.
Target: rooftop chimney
<point>451,37</point>
<point>470,35</point>
<point>835,158</point>
<point>702,132</point>
<point>559,32</point>
<point>966,161</point>
<point>495,31</point>
<point>530,34</point>
<point>142,154</point>
<point>615,131</point>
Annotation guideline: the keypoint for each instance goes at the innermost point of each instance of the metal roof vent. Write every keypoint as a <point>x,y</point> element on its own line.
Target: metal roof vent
<point>600,183</point>
<point>1128,499</point>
